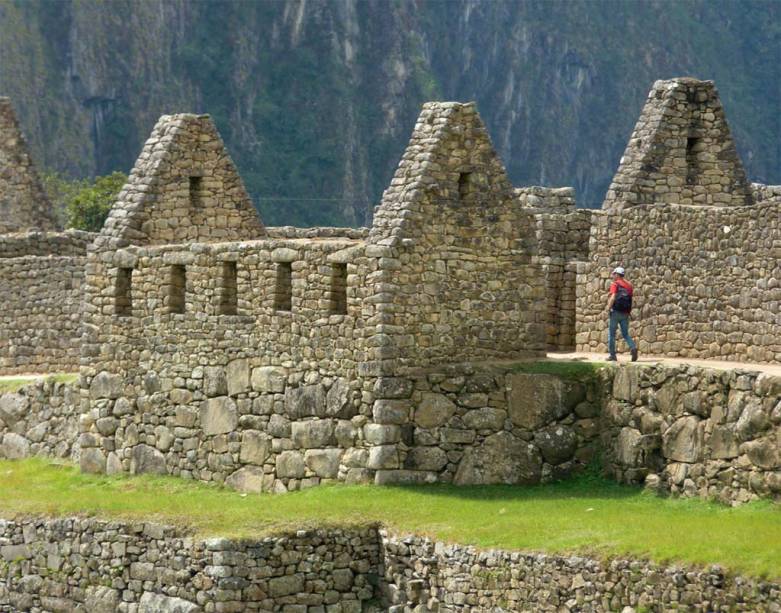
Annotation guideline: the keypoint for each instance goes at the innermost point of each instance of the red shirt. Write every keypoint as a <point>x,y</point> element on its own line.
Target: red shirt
<point>623,283</point>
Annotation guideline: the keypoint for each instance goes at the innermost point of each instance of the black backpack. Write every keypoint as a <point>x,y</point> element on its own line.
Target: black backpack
<point>623,301</point>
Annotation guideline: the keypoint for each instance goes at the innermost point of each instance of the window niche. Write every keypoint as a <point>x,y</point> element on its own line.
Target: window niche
<point>338,297</point>
<point>692,163</point>
<point>464,185</point>
<point>196,189</point>
<point>229,297</point>
<point>283,287</point>
<point>123,297</point>
<point>177,284</point>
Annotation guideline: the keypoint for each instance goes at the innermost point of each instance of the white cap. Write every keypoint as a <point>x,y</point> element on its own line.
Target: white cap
<point>619,270</point>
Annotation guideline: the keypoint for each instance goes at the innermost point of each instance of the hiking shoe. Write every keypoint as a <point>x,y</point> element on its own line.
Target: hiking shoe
<point>612,358</point>
<point>634,354</point>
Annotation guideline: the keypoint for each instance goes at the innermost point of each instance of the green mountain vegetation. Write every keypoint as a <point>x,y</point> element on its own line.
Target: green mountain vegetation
<point>316,100</point>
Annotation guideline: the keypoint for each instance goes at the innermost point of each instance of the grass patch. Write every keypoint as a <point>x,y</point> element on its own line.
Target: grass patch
<point>560,368</point>
<point>14,384</point>
<point>586,515</point>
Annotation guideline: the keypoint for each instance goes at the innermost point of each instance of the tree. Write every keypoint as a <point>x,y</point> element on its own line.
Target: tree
<point>84,204</point>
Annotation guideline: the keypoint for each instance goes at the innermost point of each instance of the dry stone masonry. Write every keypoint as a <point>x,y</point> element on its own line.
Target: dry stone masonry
<point>73,565</point>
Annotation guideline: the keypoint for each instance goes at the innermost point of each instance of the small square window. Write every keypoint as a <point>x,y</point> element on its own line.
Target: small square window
<point>195,191</point>
<point>123,298</point>
<point>283,288</point>
<point>338,299</point>
<point>177,284</point>
<point>229,299</point>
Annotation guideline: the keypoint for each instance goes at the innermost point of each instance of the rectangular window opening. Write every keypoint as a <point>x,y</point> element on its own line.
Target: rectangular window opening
<point>464,185</point>
<point>123,300</point>
<point>229,298</point>
<point>195,191</point>
<point>283,289</point>
<point>177,284</point>
<point>692,166</point>
<point>338,289</point>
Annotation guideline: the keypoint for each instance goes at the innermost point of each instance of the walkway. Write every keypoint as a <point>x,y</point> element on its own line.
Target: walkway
<point>773,369</point>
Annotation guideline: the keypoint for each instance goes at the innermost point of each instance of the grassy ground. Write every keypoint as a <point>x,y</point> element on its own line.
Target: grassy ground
<point>14,384</point>
<point>585,515</point>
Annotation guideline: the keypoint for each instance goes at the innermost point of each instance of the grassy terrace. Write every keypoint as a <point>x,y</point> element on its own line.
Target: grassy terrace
<point>14,384</point>
<point>585,515</point>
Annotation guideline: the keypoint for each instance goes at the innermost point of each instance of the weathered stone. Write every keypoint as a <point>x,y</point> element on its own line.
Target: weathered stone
<point>13,408</point>
<point>682,442</point>
<point>753,421</point>
<point>249,479</point>
<point>101,599</point>
<point>535,400</point>
<point>383,456</point>
<point>762,453</point>
<point>92,460</point>
<point>290,464</point>
<point>485,419</point>
<point>434,410</point>
<point>324,462</point>
<point>146,459</point>
<point>502,458</point>
<point>338,401</point>
<point>14,446</point>
<point>391,411</point>
<point>255,447</point>
<point>218,415</point>
<point>305,401</point>
<point>215,382</point>
<point>625,384</point>
<point>628,450</point>
<point>378,434</point>
<point>158,603</point>
<point>237,377</point>
<point>426,458</point>
<point>313,434</point>
<point>105,385</point>
<point>723,443</point>
<point>269,379</point>
<point>107,425</point>
<point>288,584</point>
<point>164,438</point>
<point>393,388</point>
<point>122,406</point>
<point>557,444</point>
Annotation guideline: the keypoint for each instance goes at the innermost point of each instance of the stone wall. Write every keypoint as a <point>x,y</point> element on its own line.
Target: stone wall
<point>93,566</point>
<point>422,575</point>
<point>681,151</point>
<point>40,329</point>
<point>707,280</point>
<point>44,244</point>
<point>695,431</point>
<point>41,419</point>
<point>23,201</point>
<point>481,424</point>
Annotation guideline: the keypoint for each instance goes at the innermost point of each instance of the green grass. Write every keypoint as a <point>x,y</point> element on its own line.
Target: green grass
<point>14,384</point>
<point>587,515</point>
<point>560,368</point>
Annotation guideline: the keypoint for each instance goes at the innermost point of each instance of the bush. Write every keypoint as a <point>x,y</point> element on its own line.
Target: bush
<point>83,204</point>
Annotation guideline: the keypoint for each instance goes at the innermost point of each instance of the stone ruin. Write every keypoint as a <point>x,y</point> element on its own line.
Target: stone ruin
<point>273,359</point>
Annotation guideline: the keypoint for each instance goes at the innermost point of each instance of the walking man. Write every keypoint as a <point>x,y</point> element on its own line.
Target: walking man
<point>619,307</point>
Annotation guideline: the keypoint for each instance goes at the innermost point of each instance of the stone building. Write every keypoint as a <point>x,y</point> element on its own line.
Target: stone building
<point>215,348</point>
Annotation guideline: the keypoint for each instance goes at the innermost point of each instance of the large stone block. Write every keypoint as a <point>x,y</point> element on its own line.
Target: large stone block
<point>487,418</point>
<point>92,460</point>
<point>305,401</point>
<point>237,377</point>
<point>393,388</point>
<point>102,599</point>
<point>502,458</point>
<point>434,410</point>
<point>105,385</point>
<point>14,446</point>
<point>269,379</point>
<point>215,382</point>
<point>426,458</point>
<point>391,411</point>
<point>682,442</point>
<point>219,415</point>
<point>324,462</point>
<point>338,402</point>
<point>249,479</point>
<point>383,456</point>
<point>723,443</point>
<point>557,444</point>
<point>313,434</point>
<point>13,407</point>
<point>290,465</point>
<point>255,447</point>
<point>158,603</point>
<point>535,400</point>
<point>146,459</point>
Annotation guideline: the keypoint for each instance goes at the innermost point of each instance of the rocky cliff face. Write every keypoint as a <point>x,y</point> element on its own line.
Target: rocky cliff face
<point>316,99</point>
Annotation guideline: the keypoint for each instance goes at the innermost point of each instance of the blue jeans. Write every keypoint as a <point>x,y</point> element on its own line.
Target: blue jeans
<point>618,319</point>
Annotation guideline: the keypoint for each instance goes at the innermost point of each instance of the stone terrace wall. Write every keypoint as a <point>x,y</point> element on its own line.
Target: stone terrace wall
<point>694,431</point>
<point>96,566</point>
<point>264,398</point>
<point>40,328</point>
<point>421,575</point>
<point>485,424</point>
<point>41,419</point>
<point>707,280</point>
